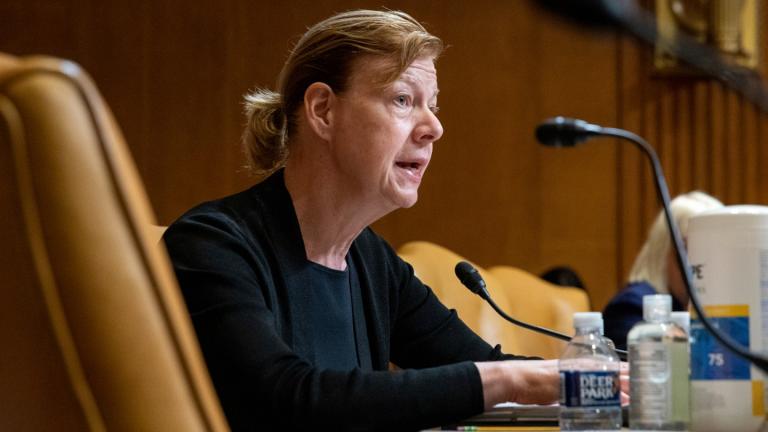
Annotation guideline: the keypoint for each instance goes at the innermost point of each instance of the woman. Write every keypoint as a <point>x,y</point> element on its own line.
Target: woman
<point>299,307</point>
<point>655,270</point>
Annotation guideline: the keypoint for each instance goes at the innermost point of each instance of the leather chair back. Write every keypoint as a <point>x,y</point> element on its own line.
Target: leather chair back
<point>536,301</point>
<point>523,295</point>
<point>94,332</point>
<point>434,265</point>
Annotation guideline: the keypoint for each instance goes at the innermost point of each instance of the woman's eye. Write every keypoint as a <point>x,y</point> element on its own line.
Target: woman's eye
<point>401,100</point>
<point>434,109</point>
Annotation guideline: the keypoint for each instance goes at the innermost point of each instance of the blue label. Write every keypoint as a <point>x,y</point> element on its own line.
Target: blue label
<point>712,361</point>
<point>589,388</point>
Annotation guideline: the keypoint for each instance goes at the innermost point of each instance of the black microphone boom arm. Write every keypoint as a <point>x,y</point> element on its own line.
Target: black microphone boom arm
<point>578,131</point>
<point>471,278</point>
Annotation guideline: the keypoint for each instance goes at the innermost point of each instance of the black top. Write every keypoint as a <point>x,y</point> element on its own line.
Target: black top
<point>327,304</point>
<point>626,309</point>
<point>241,265</point>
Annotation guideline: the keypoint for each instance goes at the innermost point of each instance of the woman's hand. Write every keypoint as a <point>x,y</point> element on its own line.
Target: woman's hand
<point>624,381</point>
<point>530,382</point>
<point>521,381</point>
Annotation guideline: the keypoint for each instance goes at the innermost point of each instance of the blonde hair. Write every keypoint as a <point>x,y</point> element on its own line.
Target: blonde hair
<point>325,54</point>
<point>651,263</point>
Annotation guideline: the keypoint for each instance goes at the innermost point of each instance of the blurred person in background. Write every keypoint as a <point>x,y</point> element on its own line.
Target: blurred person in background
<point>655,270</point>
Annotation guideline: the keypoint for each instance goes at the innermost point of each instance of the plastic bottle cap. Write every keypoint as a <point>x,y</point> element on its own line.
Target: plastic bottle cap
<point>588,320</point>
<point>657,307</point>
<point>683,319</point>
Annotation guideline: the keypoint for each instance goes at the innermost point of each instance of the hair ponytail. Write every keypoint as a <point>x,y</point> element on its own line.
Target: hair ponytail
<point>264,138</point>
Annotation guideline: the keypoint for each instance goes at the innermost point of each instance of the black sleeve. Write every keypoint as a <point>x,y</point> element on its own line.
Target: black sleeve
<point>263,384</point>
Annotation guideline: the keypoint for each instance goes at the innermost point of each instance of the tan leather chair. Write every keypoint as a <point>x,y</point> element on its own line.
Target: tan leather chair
<point>95,335</point>
<point>157,232</point>
<point>536,301</point>
<point>522,295</point>
<point>434,265</point>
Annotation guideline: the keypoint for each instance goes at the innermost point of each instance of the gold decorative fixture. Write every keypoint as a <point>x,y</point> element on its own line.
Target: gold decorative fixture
<point>728,26</point>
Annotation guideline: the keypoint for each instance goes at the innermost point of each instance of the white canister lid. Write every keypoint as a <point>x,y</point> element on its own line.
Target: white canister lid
<point>731,218</point>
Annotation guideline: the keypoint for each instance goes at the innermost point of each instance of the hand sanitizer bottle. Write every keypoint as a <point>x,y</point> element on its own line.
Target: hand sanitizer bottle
<point>658,370</point>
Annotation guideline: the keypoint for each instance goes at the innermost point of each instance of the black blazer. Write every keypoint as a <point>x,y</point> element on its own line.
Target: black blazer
<point>240,261</point>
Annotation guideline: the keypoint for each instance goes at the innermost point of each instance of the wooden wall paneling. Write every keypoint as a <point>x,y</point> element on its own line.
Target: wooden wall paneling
<point>257,39</point>
<point>25,27</point>
<point>650,131</point>
<point>631,164</point>
<point>112,46</point>
<point>161,74</point>
<point>683,137</point>
<point>579,185</point>
<point>503,136</point>
<point>666,143</point>
<point>762,157</point>
<point>717,138</point>
<point>761,118</point>
<point>189,75</point>
<point>749,121</point>
<point>734,172</point>
<point>700,141</point>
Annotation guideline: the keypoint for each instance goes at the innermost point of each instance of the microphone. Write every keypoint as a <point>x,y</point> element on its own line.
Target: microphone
<point>471,278</point>
<point>565,132</point>
<point>573,131</point>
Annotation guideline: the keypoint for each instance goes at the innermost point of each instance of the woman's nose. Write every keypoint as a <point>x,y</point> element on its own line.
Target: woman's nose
<point>429,129</point>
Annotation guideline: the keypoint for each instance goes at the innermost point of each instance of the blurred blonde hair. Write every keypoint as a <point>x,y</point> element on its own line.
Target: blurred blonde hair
<point>325,53</point>
<point>651,263</point>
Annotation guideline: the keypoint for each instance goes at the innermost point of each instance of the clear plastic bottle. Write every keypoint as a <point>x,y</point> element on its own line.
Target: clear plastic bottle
<point>589,379</point>
<point>683,320</point>
<point>606,339</point>
<point>658,369</point>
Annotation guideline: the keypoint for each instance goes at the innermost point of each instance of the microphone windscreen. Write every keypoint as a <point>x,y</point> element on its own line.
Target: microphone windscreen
<point>565,132</point>
<point>470,277</point>
<point>548,135</point>
<point>557,132</point>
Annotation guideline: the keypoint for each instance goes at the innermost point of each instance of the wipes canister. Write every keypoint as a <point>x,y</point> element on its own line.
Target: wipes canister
<point>728,253</point>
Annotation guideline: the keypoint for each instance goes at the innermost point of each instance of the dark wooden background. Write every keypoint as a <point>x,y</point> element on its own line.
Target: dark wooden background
<point>174,73</point>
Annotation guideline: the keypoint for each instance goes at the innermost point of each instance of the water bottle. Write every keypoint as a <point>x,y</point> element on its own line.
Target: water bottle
<point>608,341</point>
<point>589,379</point>
<point>658,369</point>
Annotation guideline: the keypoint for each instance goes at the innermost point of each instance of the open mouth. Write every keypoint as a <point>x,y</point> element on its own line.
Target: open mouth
<point>411,166</point>
<point>413,169</point>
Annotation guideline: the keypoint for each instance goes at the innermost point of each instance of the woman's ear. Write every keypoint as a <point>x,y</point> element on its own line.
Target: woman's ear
<point>318,101</point>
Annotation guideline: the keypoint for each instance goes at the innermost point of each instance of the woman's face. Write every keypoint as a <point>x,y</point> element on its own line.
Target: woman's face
<point>382,135</point>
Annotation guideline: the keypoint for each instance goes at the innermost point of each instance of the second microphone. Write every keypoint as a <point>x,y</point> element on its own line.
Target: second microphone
<point>471,278</point>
